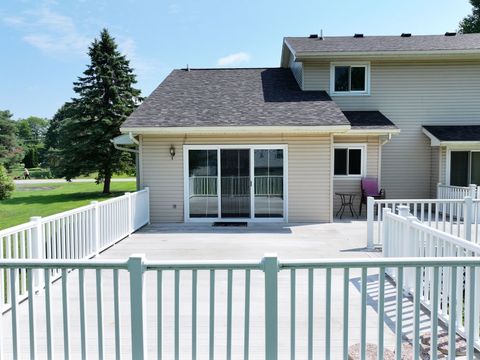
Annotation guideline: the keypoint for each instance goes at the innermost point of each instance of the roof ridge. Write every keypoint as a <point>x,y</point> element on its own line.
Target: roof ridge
<point>235,68</point>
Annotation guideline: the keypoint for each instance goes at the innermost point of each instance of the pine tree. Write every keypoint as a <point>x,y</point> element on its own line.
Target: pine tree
<point>105,97</point>
<point>471,23</point>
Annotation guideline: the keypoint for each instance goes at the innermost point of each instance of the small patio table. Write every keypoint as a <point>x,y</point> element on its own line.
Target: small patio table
<point>347,200</point>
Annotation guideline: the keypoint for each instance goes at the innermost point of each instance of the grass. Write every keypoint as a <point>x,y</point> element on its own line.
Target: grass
<point>44,173</point>
<point>48,199</point>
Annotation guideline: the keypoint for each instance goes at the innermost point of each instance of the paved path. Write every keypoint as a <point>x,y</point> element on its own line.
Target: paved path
<point>53,181</point>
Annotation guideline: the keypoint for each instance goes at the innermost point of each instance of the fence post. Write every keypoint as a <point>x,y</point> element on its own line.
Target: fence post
<point>468,217</point>
<point>136,268</point>
<point>38,247</point>
<point>370,219</point>
<point>148,203</point>
<point>385,232</point>
<point>129,213</point>
<point>96,227</point>
<point>412,246</point>
<point>404,211</point>
<point>473,191</point>
<point>270,267</point>
<point>438,190</point>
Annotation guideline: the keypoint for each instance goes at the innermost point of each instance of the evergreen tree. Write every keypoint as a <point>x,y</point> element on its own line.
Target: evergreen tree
<point>471,23</point>
<point>105,97</point>
<point>10,151</point>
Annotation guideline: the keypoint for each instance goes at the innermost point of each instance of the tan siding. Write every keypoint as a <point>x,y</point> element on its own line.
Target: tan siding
<point>353,186</point>
<point>309,191</point>
<point>297,69</point>
<point>411,95</point>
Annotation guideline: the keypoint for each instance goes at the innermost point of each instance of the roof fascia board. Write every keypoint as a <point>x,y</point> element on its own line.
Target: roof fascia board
<point>434,141</point>
<point>325,54</point>
<point>236,129</point>
<point>370,132</point>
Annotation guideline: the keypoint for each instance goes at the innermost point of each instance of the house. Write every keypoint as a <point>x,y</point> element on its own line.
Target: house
<point>276,144</point>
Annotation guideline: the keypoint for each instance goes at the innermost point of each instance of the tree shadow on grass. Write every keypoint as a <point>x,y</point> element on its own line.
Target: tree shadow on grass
<point>46,199</point>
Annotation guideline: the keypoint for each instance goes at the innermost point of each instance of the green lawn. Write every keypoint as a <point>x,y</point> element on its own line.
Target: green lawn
<point>48,199</point>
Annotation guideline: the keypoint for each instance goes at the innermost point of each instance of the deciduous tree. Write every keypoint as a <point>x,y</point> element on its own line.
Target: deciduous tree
<point>471,23</point>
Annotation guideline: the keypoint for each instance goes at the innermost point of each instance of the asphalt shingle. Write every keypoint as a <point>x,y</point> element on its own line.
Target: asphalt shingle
<point>384,43</point>
<point>369,120</point>
<point>234,97</point>
<point>455,132</point>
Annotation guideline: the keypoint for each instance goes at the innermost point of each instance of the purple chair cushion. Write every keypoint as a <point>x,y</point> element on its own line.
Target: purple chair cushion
<point>370,187</point>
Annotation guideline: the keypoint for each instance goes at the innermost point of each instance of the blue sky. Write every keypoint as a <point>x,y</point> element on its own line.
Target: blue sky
<point>44,42</point>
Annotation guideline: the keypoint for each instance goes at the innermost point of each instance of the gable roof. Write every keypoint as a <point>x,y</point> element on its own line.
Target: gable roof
<point>439,134</point>
<point>234,97</point>
<point>372,44</point>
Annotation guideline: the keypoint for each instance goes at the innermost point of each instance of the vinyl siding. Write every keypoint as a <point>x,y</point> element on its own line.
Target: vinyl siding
<point>435,170</point>
<point>297,69</point>
<point>309,174</point>
<point>411,94</point>
<point>353,186</point>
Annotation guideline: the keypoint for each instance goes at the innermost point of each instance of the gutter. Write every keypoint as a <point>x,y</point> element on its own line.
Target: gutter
<point>118,147</point>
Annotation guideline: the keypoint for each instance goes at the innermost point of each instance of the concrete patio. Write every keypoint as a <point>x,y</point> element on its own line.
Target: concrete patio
<point>345,239</point>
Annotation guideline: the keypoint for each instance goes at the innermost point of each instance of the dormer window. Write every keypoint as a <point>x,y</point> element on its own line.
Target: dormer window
<point>350,79</point>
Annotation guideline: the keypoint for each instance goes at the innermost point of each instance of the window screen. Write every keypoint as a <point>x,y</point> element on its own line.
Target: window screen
<point>340,166</point>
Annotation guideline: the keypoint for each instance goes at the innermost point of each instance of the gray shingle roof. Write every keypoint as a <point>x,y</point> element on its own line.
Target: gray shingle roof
<point>385,43</point>
<point>234,97</point>
<point>455,132</point>
<point>369,120</point>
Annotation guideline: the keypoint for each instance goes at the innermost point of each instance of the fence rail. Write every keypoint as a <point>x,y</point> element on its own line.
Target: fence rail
<point>456,192</point>
<point>445,291</point>
<point>185,298</point>
<point>75,234</point>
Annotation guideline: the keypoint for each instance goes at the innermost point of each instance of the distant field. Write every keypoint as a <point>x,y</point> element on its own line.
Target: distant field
<point>47,199</point>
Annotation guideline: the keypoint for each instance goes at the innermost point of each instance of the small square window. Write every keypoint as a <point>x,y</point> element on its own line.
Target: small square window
<point>347,161</point>
<point>350,79</point>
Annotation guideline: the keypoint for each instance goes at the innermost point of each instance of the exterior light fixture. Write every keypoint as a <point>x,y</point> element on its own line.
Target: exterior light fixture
<point>172,151</point>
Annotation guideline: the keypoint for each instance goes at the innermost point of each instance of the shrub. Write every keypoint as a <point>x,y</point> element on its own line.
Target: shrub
<point>6,184</point>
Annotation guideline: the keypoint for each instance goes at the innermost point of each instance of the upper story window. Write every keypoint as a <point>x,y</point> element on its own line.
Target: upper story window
<point>350,79</point>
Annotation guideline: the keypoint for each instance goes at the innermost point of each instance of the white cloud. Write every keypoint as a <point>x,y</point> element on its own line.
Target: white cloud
<point>51,32</point>
<point>234,59</point>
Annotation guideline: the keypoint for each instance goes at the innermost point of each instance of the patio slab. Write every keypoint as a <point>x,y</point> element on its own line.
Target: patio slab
<point>345,239</point>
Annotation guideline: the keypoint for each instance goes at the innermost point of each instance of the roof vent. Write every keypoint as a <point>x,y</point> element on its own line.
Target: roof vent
<point>313,36</point>
<point>358,35</point>
<point>406,35</point>
<point>450,33</point>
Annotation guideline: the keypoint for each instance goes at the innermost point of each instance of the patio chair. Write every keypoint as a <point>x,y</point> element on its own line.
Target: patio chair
<point>370,188</point>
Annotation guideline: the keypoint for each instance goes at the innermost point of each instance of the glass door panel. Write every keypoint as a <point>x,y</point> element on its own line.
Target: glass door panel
<point>203,179</point>
<point>459,168</point>
<point>235,183</point>
<point>475,170</point>
<point>268,179</point>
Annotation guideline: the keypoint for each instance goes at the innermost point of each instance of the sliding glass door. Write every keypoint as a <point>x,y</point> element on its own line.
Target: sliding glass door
<point>235,182</point>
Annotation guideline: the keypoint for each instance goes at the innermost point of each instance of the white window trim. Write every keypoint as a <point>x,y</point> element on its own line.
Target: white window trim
<point>363,157</point>
<point>366,92</point>
<point>448,161</point>
<point>252,218</point>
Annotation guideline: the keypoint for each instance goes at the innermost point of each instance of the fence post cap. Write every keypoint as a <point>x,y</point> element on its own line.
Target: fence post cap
<point>403,210</point>
<point>94,202</point>
<point>386,210</point>
<point>35,218</point>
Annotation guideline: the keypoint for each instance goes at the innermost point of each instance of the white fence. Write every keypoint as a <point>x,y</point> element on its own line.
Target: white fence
<point>120,323</point>
<point>447,292</point>
<point>459,217</point>
<point>456,192</point>
<point>76,234</point>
